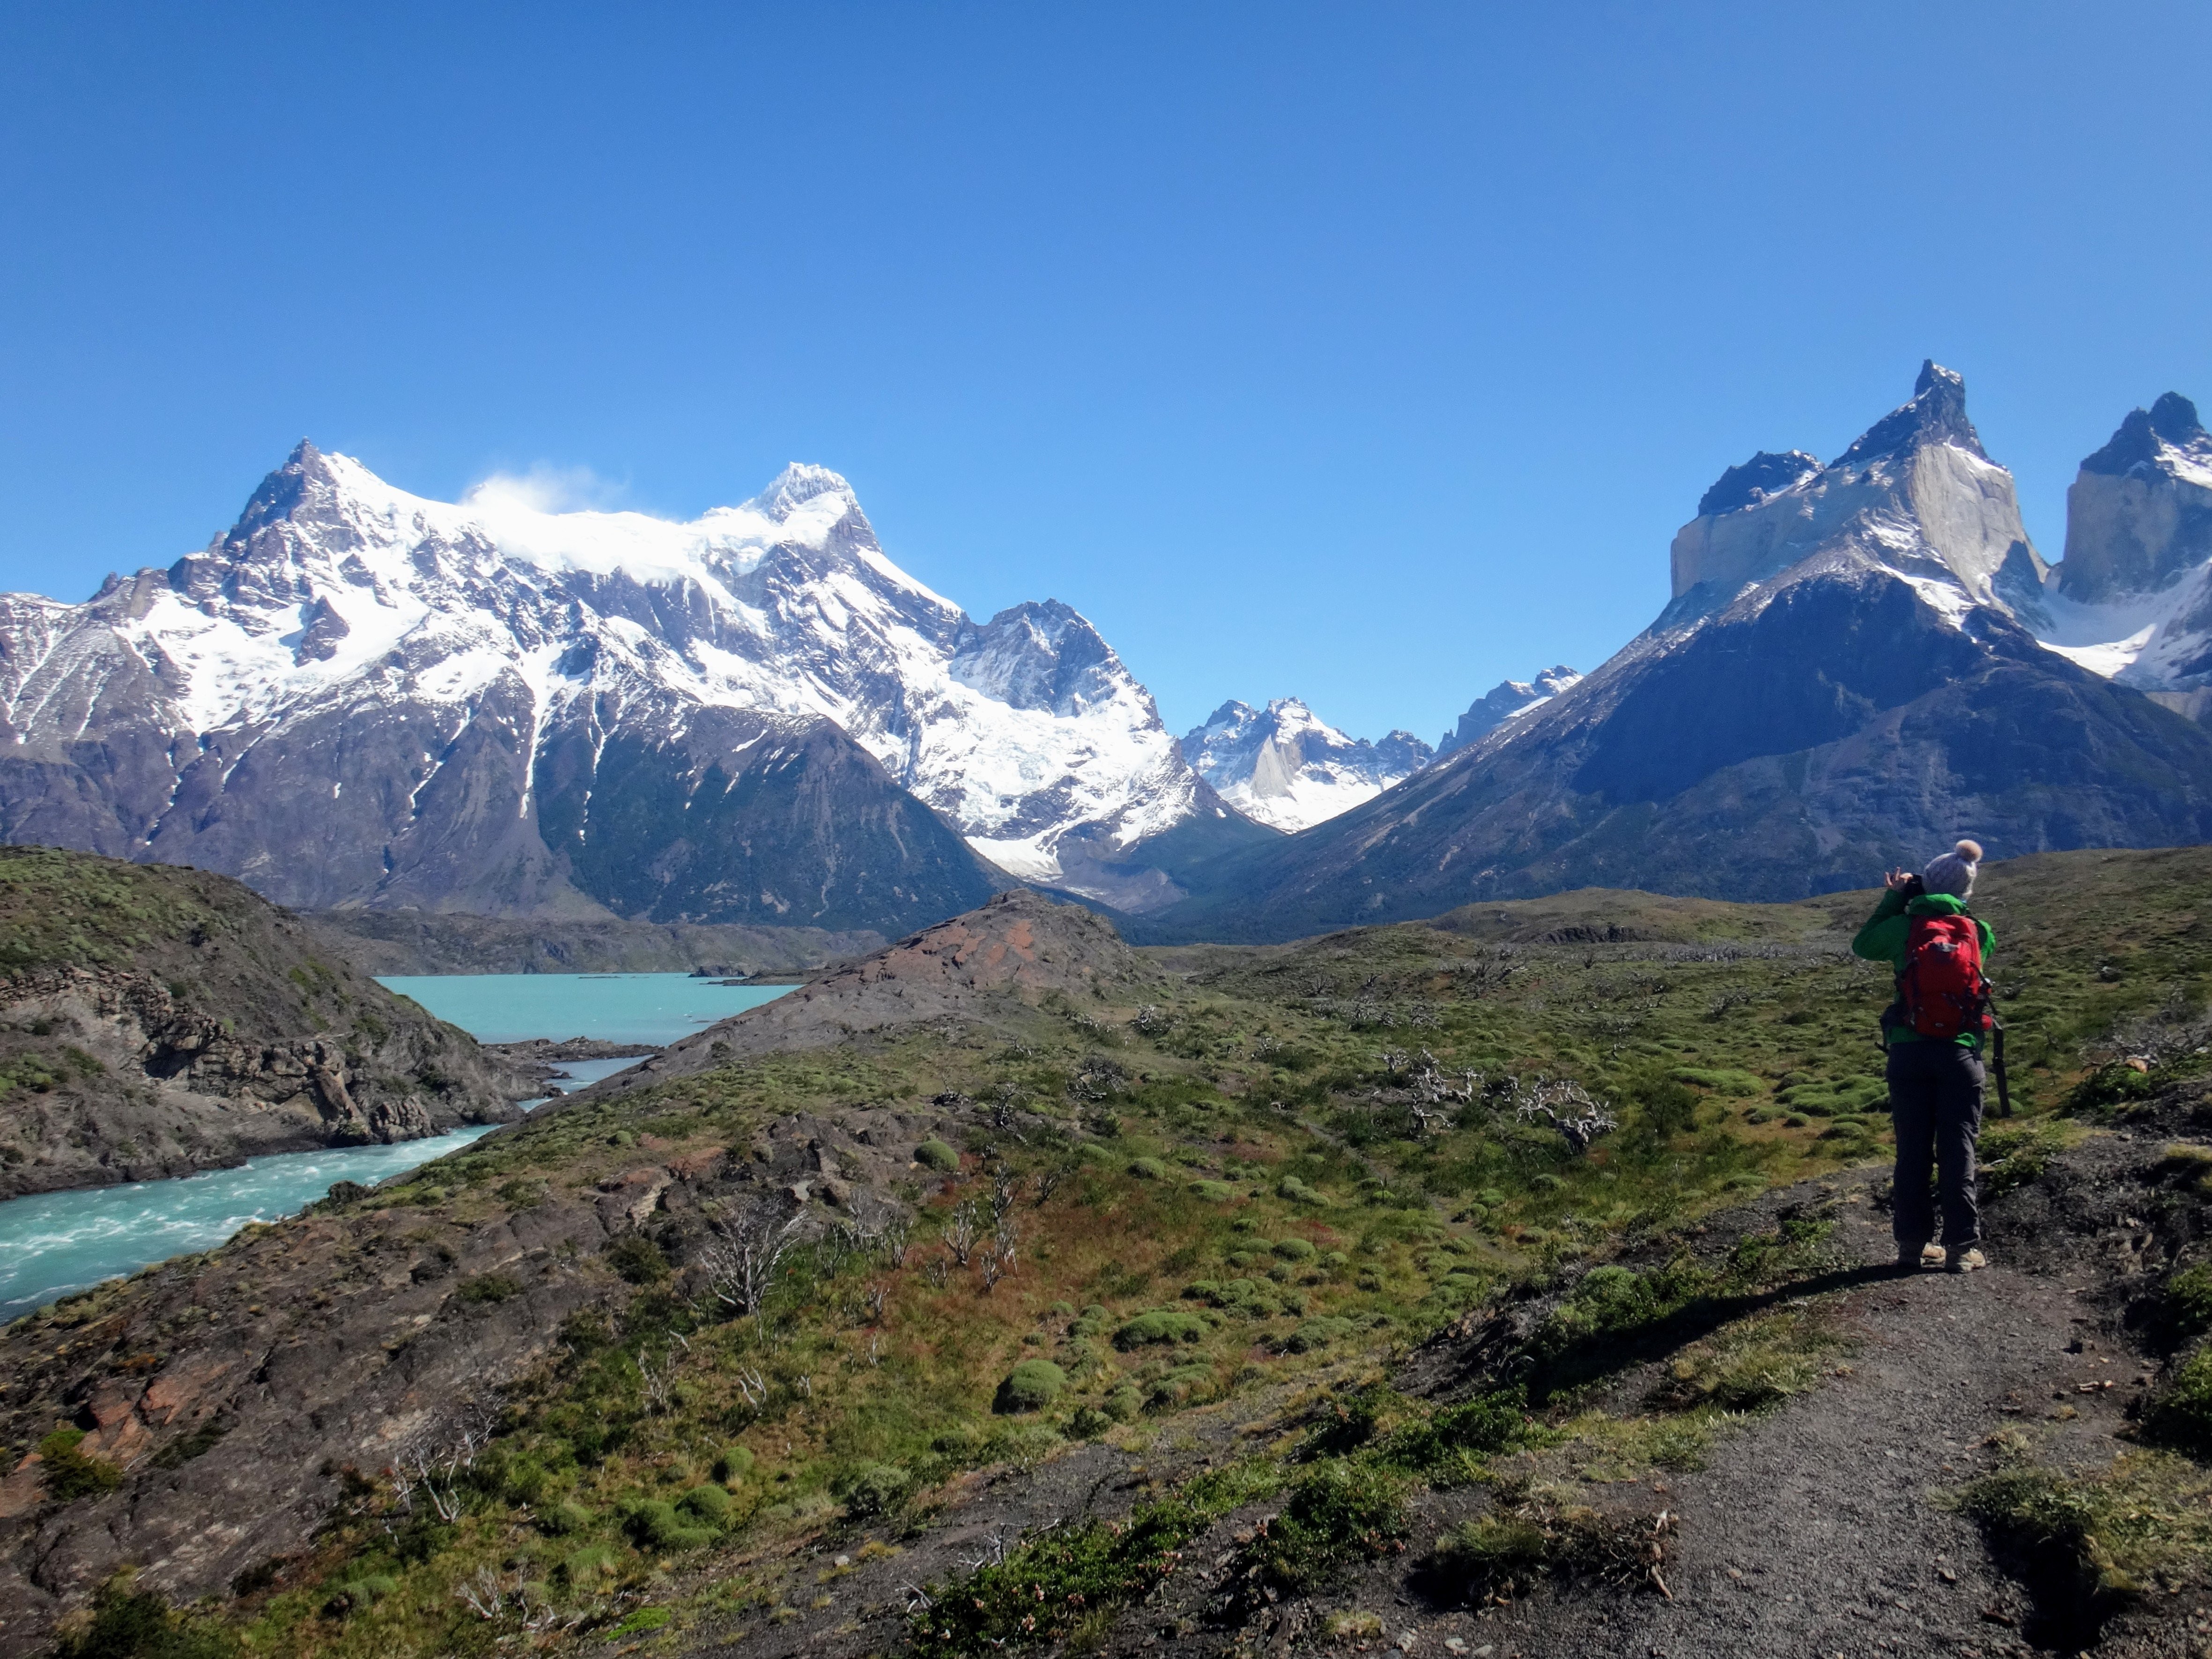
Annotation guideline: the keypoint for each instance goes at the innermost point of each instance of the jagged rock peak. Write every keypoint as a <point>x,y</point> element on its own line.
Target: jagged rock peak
<point>2171,423</point>
<point>1764,474</point>
<point>1936,415</point>
<point>279,493</point>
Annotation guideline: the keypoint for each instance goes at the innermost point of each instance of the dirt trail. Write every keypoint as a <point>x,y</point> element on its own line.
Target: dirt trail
<point>1813,1532</point>
<point>1820,1531</point>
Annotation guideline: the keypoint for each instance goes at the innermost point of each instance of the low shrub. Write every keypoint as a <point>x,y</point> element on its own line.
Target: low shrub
<point>1342,1514</point>
<point>1148,1169</point>
<point>562,1520</point>
<point>128,1624</point>
<point>2181,1417</point>
<point>1523,1541</point>
<point>1180,1387</point>
<point>1454,1442</point>
<point>1162,1325</point>
<point>708,1505</point>
<point>69,1474</point>
<point>936,1155</point>
<point>874,1489</point>
<point>1295,1191</point>
<point>1318,1333</point>
<point>638,1259</point>
<point>733,1463</point>
<point>488,1288</point>
<point>652,1524</point>
<point>1030,1387</point>
<point>1296,1249</point>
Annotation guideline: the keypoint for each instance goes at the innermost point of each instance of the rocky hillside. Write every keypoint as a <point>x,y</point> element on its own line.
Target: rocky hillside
<point>154,1020</point>
<point>1845,678</point>
<point>1512,1282</point>
<point>755,717</point>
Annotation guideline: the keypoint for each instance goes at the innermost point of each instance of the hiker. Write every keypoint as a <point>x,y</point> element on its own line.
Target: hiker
<point>1933,1035</point>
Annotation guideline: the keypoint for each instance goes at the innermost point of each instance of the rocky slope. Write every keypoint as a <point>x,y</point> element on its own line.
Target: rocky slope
<point>1845,678</point>
<point>1283,767</point>
<point>156,1020</point>
<point>753,717</point>
<point>304,1362</point>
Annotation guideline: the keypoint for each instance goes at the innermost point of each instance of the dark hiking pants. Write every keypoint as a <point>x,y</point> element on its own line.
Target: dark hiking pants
<point>1936,1101</point>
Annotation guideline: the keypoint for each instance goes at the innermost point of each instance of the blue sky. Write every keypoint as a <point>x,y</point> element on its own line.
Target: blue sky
<point>1367,353</point>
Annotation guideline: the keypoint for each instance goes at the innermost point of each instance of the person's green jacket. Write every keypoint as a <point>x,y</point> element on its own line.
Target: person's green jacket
<point>1883,939</point>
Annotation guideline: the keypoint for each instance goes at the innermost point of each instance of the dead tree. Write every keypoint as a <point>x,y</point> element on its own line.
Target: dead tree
<point>992,1267</point>
<point>751,1255</point>
<point>963,1230</point>
<point>896,1237</point>
<point>1049,1179</point>
<point>1004,1239</point>
<point>1579,1119</point>
<point>1006,1187</point>
<point>659,1381</point>
<point>432,1462</point>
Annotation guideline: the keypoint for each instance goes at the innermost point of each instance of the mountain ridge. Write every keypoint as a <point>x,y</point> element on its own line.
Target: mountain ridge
<point>465,669</point>
<point>1839,683</point>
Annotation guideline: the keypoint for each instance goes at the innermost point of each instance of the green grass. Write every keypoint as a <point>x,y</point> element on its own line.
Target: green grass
<point>1254,1210</point>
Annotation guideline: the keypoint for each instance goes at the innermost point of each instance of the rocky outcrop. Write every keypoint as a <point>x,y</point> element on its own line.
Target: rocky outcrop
<point>156,1022</point>
<point>1916,492</point>
<point>2139,517</point>
<point>2133,598</point>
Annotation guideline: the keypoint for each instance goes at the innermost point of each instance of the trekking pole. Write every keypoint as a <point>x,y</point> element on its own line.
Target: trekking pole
<point>2004,1089</point>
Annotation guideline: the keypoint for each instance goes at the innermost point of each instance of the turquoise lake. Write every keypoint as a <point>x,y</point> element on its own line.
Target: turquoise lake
<point>617,1007</point>
<point>57,1242</point>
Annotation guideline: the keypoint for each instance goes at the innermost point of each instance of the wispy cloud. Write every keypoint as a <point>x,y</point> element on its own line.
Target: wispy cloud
<point>548,489</point>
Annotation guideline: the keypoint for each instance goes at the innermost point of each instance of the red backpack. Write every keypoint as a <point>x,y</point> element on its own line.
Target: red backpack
<point>1941,987</point>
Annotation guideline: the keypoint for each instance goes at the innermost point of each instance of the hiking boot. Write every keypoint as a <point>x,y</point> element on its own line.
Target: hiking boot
<point>1967,1260</point>
<point>1912,1258</point>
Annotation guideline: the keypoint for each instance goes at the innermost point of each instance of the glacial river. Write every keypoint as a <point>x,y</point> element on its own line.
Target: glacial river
<point>57,1242</point>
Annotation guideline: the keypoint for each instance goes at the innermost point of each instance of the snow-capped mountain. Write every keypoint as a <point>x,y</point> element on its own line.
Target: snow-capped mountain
<point>1502,703</point>
<point>2133,597</point>
<point>1844,680</point>
<point>1283,766</point>
<point>356,695</point>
